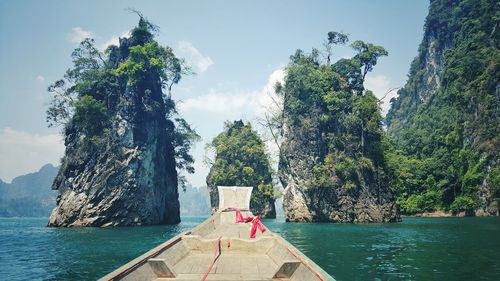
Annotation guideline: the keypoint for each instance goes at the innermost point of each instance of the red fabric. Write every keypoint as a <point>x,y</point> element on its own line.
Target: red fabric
<point>240,218</point>
<point>256,223</point>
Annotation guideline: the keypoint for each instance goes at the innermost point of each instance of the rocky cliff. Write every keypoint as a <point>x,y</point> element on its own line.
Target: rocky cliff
<point>332,161</point>
<point>241,160</point>
<point>369,200</point>
<point>445,119</point>
<point>120,170</point>
<point>126,178</point>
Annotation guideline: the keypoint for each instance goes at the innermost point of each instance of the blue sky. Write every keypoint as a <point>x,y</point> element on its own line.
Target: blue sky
<point>237,48</point>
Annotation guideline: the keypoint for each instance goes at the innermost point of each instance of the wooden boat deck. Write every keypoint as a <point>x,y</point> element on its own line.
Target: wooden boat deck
<point>189,255</point>
<point>237,266</point>
<point>233,230</point>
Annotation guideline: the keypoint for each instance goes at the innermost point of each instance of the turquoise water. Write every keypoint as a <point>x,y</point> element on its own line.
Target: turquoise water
<point>415,249</point>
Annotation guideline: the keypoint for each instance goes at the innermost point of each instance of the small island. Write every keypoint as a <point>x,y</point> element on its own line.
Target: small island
<point>262,140</point>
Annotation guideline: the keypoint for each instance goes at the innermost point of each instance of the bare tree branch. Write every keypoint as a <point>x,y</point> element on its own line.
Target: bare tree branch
<point>387,93</point>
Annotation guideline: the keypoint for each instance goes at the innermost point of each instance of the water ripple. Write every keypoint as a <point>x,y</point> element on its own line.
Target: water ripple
<point>416,249</point>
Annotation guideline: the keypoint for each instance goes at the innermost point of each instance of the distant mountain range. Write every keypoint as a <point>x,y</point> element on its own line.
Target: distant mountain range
<point>31,195</point>
<point>194,201</point>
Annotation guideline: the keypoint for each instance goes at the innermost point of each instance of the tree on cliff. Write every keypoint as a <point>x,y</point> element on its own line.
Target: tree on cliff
<point>333,138</point>
<point>241,160</point>
<point>445,122</point>
<point>124,139</point>
<point>84,100</point>
<point>328,102</point>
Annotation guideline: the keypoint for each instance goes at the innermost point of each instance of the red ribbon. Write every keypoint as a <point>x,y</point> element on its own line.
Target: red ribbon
<point>240,218</point>
<point>256,223</point>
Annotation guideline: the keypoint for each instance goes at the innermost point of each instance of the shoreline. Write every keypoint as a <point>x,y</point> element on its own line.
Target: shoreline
<point>436,214</point>
<point>446,214</point>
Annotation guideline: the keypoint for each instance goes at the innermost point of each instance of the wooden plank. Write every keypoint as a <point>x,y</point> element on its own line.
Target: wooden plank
<point>266,266</point>
<point>248,266</point>
<point>161,268</point>
<point>287,269</point>
<point>229,264</point>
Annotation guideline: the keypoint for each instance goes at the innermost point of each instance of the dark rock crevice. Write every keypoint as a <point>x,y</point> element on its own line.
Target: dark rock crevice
<point>127,175</point>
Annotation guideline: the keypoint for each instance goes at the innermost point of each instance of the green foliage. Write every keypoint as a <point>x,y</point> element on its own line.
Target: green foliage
<point>88,77</point>
<point>143,32</point>
<point>183,138</point>
<point>346,168</point>
<point>241,160</point>
<point>328,108</point>
<point>151,59</point>
<point>86,99</point>
<point>451,133</point>
<point>494,181</point>
<point>324,173</point>
<point>337,38</point>
<point>368,55</point>
<point>90,115</point>
<point>418,203</point>
<point>463,203</point>
<point>326,103</point>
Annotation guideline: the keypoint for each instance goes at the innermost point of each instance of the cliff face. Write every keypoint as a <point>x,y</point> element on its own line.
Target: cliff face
<point>425,77</point>
<point>128,177</point>
<point>241,160</point>
<point>125,175</point>
<point>370,200</point>
<point>448,110</point>
<point>332,161</point>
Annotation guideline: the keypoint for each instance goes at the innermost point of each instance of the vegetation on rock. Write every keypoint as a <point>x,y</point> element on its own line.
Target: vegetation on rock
<point>327,103</point>
<point>86,99</point>
<point>241,160</point>
<point>332,154</point>
<point>445,123</point>
<point>126,146</point>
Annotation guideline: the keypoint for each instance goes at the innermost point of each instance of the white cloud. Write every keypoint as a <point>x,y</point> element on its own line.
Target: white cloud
<point>216,102</point>
<point>236,104</point>
<point>380,85</point>
<point>40,78</point>
<point>266,96</point>
<point>115,40</point>
<point>267,101</point>
<point>77,35</point>
<point>194,57</point>
<point>22,152</point>
<point>255,102</point>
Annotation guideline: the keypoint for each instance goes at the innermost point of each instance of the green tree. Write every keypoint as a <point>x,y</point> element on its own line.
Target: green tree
<point>334,38</point>
<point>445,120</point>
<point>367,55</point>
<point>85,100</point>
<point>241,160</point>
<point>327,104</point>
<point>90,115</point>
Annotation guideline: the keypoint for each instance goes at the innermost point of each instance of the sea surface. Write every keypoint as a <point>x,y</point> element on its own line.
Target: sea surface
<point>415,249</point>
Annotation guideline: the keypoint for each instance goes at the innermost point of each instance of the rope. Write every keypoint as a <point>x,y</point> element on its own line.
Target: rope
<point>231,209</point>
<point>217,253</point>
